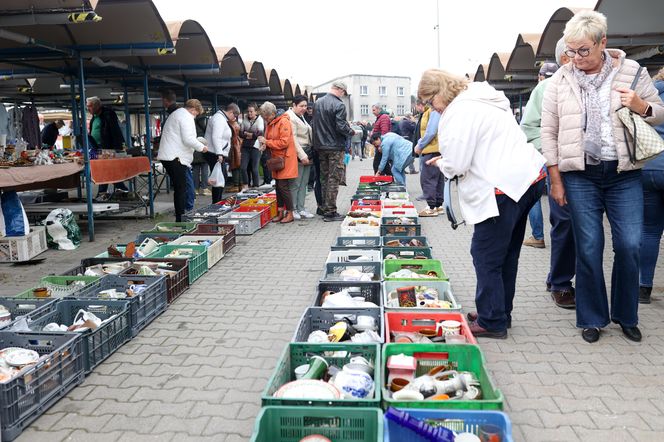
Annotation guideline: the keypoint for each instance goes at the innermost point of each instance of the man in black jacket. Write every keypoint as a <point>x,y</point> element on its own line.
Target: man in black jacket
<point>50,132</point>
<point>330,130</point>
<point>106,133</point>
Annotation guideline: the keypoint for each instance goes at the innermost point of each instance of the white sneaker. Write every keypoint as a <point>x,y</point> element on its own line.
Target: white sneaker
<point>296,215</point>
<point>306,214</point>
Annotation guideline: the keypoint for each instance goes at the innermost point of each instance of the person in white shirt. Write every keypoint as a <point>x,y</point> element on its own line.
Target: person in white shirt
<point>501,177</point>
<point>176,150</point>
<point>218,135</point>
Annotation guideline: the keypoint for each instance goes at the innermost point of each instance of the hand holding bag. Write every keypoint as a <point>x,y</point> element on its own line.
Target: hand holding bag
<point>216,178</point>
<point>276,164</point>
<point>646,141</point>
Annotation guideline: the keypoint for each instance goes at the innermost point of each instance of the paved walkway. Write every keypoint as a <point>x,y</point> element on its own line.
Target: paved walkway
<point>197,372</point>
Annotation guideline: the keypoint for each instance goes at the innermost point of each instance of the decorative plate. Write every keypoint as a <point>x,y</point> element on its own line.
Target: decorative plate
<point>17,357</point>
<point>308,389</point>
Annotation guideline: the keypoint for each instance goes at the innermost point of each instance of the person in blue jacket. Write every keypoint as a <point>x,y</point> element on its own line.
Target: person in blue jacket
<point>395,149</point>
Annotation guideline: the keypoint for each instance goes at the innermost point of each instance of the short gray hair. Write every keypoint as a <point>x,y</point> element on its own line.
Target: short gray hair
<point>95,101</point>
<point>586,24</point>
<point>560,50</point>
<point>268,108</point>
<point>377,105</point>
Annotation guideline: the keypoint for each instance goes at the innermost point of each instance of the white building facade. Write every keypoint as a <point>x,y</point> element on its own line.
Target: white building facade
<point>393,93</point>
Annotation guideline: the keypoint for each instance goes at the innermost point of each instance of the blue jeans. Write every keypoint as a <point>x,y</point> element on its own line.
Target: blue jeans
<point>398,174</point>
<point>191,192</point>
<point>537,220</point>
<point>590,193</point>
<point>495,248</point>
<point>563,255</point>
<point>653,223</point>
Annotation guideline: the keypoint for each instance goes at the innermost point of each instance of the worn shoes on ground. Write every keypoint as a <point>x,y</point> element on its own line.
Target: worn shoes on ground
<point>644,295</point>
<point>428,212</point>
<point>590,335</point>
<point>533,242</point>
<point>305,215</point>
<point>480,332</point>
<point>564,298</point>
<point>330,217</point>
<point>472,317</point>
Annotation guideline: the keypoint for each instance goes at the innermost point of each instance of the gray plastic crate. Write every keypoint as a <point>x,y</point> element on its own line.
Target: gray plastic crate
<point>246,223</point>
<point>18,307</point>
<point>98,344</point>
<point>317,318</point>
<point>370,291</point>
<point>143,308</point>
<point>357,242</point>
<point>333,270</point>
<point>26,397</point>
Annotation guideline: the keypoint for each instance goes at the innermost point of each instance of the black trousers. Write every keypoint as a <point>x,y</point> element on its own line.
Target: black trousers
<point>314,180</point>
<point>178,174</point>
<point>284,195</point>
<point>217,192</point>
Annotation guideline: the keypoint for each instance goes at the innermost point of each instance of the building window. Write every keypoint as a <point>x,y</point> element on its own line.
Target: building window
<point>401,109</point>
<point>364,90</point>
<point>382,91</point>
<point>364,109</point>
<point>400,91</point>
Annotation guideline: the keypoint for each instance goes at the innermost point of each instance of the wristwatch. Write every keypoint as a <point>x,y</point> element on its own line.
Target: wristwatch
<point>648,111</point>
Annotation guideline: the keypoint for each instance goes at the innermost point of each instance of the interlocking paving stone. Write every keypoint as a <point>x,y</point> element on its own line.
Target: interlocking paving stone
<point>198,370</point>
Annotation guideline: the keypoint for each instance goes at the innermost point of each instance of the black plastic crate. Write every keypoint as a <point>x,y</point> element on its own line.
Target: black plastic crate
<point>408,252</point>
<point>175,285</point>
<point>144,307</point>
<point>357,242</point>
<point>87,262</point>
<point>98,344</point>
<point>370,291</point>
<point>317,318</point>
<point>333,270</point>
<point>23,306</point>
<point>390,226</point>
<point>26,397</point>
<point>403,241</point>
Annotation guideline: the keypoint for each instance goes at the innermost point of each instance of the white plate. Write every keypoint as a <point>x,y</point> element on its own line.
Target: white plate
<point>308,389</point>
<point>18,357</point>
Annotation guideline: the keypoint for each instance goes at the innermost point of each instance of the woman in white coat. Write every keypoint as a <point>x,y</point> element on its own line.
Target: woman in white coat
<point>304,147</point>
<point>500,179</point>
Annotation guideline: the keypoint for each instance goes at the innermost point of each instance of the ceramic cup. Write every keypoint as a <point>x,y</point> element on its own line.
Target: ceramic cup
<point>300,370</point>
<point>317,368</point>
<point>428,332</point>
<point>398,384</point>
<point>366,322</point>
<point>41,292</point>
<point>450,327</point>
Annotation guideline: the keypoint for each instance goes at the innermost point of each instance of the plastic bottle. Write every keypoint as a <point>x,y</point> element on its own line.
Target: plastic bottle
<point>433,434</point>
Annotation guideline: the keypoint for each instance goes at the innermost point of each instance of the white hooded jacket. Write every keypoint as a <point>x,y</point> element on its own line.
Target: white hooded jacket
<point>482,144</point>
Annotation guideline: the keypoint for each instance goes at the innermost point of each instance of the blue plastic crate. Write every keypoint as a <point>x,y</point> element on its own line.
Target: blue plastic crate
<point>472,419</point>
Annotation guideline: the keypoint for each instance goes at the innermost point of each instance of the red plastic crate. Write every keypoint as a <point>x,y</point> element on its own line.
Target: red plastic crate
<point>399,206</point>
<point>366,202</point>
<point>264,211</point>
<point>376,179</point>
<point>415,321</point>
<point>365,208</point>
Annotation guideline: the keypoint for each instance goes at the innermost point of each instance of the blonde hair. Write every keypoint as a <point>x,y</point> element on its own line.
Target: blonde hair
<point>437,82</point>
<point>267,108</point>
<point>586,24</point>
<point>659,75</point>
<point>195,105</point>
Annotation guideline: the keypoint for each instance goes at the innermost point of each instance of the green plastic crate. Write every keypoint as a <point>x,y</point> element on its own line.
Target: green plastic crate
<point>182,228</point>
<point>62,286</point>
<point>339,424</point>
<point>197,264</point>
<point>416,265</point>
<point>469,358</point>
<point>299,353</point>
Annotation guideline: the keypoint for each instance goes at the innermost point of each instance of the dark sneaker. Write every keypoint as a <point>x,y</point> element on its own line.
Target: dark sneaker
<point>472,317</point>
<point>330,217</point>
<point>564,298</point>
<point>590,335</point>
<point>644,295</point>
<point>320,212</point>
<point>480,332</point>
<point>632,333</point>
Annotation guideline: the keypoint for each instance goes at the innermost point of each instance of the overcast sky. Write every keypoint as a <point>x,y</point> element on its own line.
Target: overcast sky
<point>312,41</point>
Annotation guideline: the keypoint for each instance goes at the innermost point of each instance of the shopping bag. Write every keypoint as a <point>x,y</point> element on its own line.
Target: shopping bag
<point>13,220</point>
<point>62,232</point>
<point>216,178</point>
<point>346,159</point>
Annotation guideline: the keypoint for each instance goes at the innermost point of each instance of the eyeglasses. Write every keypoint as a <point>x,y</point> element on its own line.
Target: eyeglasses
<point>583,52</point>
<point>447,203</point>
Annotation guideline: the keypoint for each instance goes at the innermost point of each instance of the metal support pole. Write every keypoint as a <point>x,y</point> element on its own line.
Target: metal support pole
<point>186,91</point>
<point>75,129</point>
<point>148,141</point>
<point>125,98</point>
<point>215,104</point>
<point>520,107</point>
<point>86,150</point>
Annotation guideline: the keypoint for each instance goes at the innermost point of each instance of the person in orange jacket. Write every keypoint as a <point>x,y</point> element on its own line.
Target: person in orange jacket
<point>279,139</point>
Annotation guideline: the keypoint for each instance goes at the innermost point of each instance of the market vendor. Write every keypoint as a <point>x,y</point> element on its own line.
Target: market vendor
<point>501,177</point>
<point>50,132</point>
<point>395,150</point>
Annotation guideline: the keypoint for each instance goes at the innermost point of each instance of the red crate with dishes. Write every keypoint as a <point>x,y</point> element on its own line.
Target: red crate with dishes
<point>264,211</point>
<point>365,208</point>
<point>366,202</point>
<point>376,179</point>
<point>428,324</point>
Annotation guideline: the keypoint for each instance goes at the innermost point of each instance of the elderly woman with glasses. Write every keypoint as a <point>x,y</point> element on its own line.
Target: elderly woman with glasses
<point>500,177</point>
<point>590,168</point>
